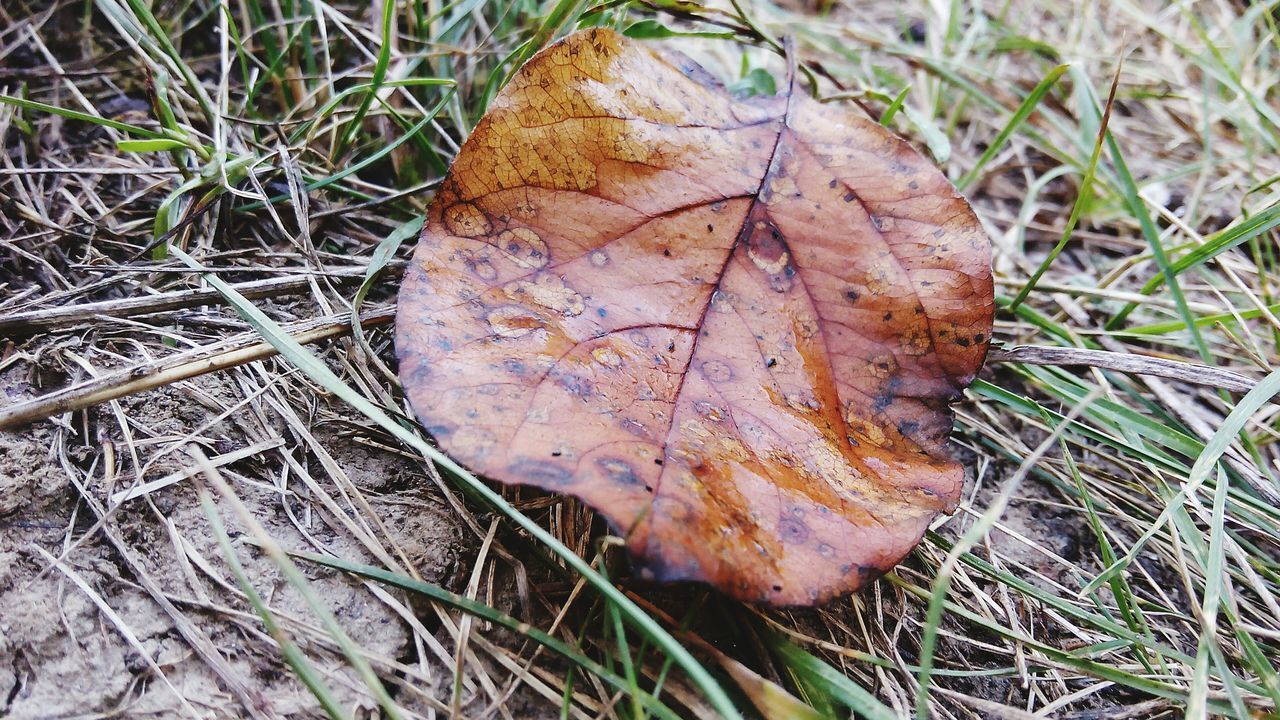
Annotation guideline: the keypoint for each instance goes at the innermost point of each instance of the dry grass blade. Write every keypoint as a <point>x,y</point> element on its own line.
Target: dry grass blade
<point>232,352</point>
<point>34,321</point>
<point>1193,373</point>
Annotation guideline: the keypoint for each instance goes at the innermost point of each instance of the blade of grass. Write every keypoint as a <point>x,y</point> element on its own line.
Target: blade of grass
<point>298,581</point>
<point>160,38</point>
<point>834,683</point>
<point>1231,427</point>
<point>386,150</point>
<point>375,83</point>
<point>1083,196</point>
<point>1173,326</point>
<point>1100,670</point>
<point>1215,577</point>
<point>1019,116</point>
<point>293,656</point>
<point>979,529</point>
<point>382,256</point>
<point>489,614</point>
<point>82,117</point>
<point>1227,239</point>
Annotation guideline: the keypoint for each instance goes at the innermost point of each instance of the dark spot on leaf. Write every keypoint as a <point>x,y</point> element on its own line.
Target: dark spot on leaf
<point>601,312</point>
<point>867,573</point>
<point>576,385</point>
<point>962,342</point>
<point>666,252</point>
<point>851,295</point>
<point>916,32</point>
<point>618,471</point>
<point>771,362</point>
<point>888,316</point>
<point>833,183</point>
<point>535,472</point>
<point>849,196</point>
<point>882,402</point>
<point>793,531</point>
<point>716,371</point>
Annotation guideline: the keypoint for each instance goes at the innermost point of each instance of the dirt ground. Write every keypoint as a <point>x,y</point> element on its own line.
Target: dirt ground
<point>82,637</point>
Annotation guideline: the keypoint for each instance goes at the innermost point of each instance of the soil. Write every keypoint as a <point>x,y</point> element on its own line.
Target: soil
<point>81,639</point>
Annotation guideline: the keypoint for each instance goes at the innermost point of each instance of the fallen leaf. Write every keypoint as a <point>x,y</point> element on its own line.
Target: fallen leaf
<point>734,327</point>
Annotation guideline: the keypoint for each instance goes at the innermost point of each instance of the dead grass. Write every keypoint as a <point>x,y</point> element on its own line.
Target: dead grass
<point>1116,555</point>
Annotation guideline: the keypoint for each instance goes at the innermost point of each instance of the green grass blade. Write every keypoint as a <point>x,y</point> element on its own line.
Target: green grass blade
<point>81,116</point>
<point>1019,116</point>
<point>833,682</point>
<point>293,656</point>
<point>489,614</point>
<point>1227,239</point>
<point>388,10</point>
<point>1217,445</point>
<point>298,581</point>
<point>1083,197</point>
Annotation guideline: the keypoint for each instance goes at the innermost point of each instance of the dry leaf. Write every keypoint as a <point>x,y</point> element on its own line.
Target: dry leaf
<point>734,327</point>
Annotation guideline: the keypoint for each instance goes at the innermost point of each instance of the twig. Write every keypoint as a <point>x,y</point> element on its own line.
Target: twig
<point>1124,362</point>
<point>33,321</point>
<point>238,350</point>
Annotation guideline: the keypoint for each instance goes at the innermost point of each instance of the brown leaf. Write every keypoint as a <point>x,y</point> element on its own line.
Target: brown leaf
<point>734,327</point>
